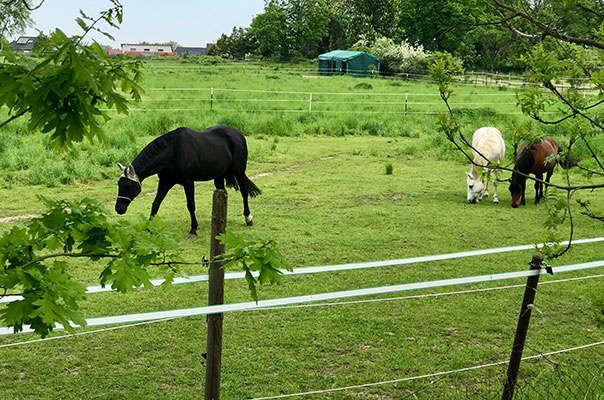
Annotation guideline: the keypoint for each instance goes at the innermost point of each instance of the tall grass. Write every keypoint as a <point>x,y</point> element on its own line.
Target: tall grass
<point>373,107</point>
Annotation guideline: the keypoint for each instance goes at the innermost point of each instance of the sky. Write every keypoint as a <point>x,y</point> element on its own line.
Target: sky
<point>189,23</point>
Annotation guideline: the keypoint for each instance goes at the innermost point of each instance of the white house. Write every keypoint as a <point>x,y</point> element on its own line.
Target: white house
<point>147,49</point>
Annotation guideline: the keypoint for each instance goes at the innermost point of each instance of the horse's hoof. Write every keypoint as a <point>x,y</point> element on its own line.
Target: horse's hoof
<point>249,220</point>
<point>495,201</point>
<point>486,194</point>
<point>191,236</point>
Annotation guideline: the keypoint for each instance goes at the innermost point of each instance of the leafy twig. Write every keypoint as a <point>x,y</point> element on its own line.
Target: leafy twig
<point>14,117</point>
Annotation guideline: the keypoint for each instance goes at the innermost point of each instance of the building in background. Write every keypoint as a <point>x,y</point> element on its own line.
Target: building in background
<point>191,51</point>
<point>158,50</point>
<point>24,43</point>
<point>147,49</point>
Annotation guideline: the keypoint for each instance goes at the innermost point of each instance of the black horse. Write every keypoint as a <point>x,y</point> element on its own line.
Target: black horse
<point>184,156</point>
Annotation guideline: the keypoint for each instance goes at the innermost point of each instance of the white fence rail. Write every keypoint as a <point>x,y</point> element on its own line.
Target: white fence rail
<point>279,302</point>
<point>340,267</point>
<point>254,100</point>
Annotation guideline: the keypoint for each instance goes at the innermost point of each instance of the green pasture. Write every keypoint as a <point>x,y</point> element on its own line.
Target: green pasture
<point>262,100</point>
<point>326,200</point>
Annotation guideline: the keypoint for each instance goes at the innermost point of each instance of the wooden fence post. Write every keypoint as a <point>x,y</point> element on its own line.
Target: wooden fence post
<point>215,296</point>
<point>211,98</point>
<point>523,323</point>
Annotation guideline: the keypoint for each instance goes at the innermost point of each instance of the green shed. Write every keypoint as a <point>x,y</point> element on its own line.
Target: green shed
<point>347,62</point>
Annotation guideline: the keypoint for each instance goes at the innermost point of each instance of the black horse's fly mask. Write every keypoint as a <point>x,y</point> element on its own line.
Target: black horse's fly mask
<point>128,189</point>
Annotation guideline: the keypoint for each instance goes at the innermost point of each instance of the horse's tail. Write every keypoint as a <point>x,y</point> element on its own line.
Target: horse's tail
<point>243,183</point>
<point>249,186</point>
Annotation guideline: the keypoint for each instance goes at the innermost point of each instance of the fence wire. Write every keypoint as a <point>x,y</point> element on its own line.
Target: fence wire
<point>547,380</point>
<point>195,99</point>
<point>561,377</point>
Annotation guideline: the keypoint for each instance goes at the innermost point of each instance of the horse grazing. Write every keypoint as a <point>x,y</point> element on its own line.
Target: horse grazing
<point>184,156</point>
<point>533,160</point>
<point>487,146</point>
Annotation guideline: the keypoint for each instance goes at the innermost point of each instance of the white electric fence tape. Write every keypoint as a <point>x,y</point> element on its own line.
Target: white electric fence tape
<point>247,306</point>
<point>330,304</point>
<point>340,267</point>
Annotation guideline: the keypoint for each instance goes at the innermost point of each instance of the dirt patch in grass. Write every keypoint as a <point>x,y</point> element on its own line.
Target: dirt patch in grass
<point>17,218</point>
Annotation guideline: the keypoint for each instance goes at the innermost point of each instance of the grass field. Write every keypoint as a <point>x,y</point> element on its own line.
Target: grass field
<point>327,201</point>
<point>266,102</point>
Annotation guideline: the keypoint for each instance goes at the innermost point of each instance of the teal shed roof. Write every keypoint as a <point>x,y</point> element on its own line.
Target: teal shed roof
<point>344,55</point>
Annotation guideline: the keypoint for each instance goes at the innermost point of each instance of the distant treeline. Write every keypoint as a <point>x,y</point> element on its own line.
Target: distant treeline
<point>470,30</point>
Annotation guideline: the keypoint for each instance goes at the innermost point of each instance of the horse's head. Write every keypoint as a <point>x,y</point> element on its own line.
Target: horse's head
<point>475,188</point>
<point>516,190</point>
<point>129,187</point>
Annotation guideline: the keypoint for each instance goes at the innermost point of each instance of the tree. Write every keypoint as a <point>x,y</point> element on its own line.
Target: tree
<point>445,25</point>
<point>290,27</point>
<point>66,89</point>
<point>307,25</point>
<point>369,19</point>
<point>14,18</point>
<point>494,53</point>
<point>335,38</point>
<point>269,30</point>
<point>235,46</point>
<point>173,44</point>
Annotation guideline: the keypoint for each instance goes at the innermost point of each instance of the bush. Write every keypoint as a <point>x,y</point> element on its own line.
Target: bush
<point>389,168</point>
<point>399,58</point>
<point>202,60</point>
<point>373,128</point>
<point>451,62</point>
<point>51,175</point>
<point>363,85</point>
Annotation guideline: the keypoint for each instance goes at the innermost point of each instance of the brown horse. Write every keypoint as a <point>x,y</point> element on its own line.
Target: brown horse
<point>532,160</point>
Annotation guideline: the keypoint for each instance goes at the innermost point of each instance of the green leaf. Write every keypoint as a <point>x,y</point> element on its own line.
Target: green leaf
<point>251,283</point>
<point>7,51</point>
<point>50,293</point>
<point>253,253</point>
<point>269,275</point>
<point>64,88</point>
<point>16,313</point>
<point>82,24</point>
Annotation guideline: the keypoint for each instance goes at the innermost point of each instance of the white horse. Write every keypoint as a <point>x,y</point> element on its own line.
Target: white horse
<point>487,146</point>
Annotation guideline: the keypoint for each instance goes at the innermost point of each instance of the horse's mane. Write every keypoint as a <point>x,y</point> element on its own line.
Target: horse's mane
<point>524,163</point>
<point>156,147</point>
